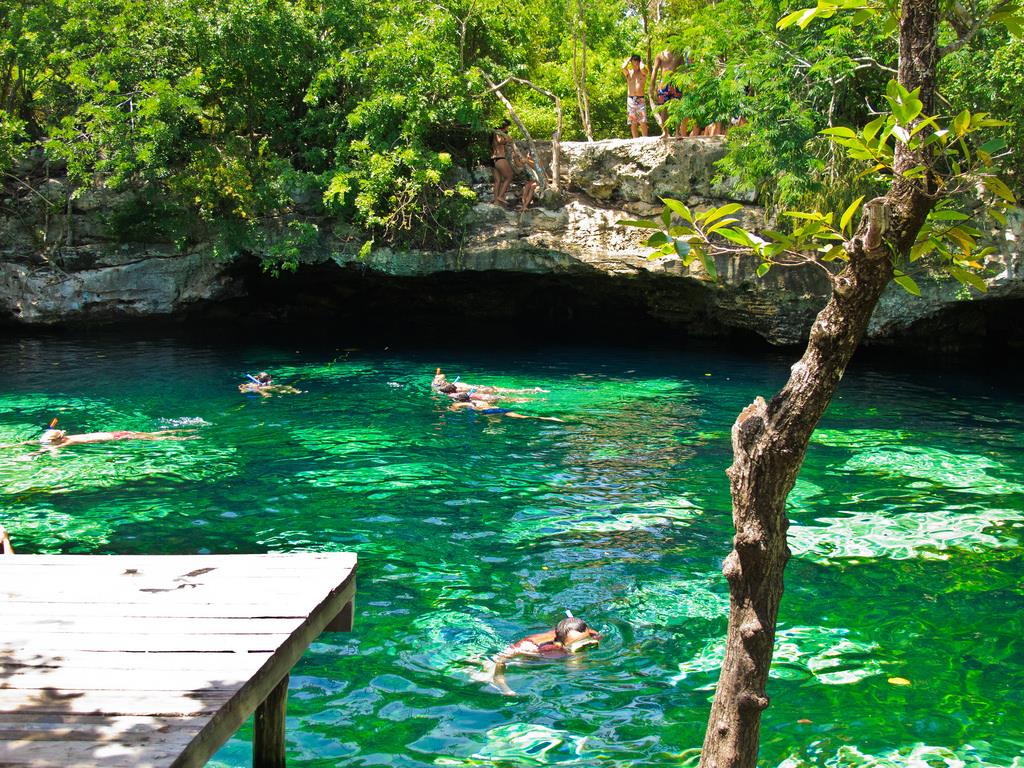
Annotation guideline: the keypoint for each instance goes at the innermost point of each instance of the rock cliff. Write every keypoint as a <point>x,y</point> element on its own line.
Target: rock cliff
<point>64,268</point>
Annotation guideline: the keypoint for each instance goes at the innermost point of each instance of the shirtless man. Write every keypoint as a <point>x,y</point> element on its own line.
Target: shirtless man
<point>635,72</point>
<point>662,90</point>
<point>569,636</point>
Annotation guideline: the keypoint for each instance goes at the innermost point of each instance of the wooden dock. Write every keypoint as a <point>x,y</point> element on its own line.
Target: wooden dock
<point>157,660</point>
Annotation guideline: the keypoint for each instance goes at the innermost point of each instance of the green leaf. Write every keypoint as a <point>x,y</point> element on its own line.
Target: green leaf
<point>946,214</point>
<point>666,217</point>
<point>738,236</point>
<point>718,213</point>
<point>998,216</point>
<point>871,129</point>
<point>962,122</point>
<point>709,265</point>
<point>907,283</point>
<point>763,267</point>
<point>997,187</point>
<point>790,19</point>
<point>656,239</point>
<point>967,278</point>
<point>848,213</point>
<point>679,208</point>
<point>841,131</point>
<point>804,215</point>
<point>682,248</point>
<point>644,224</point>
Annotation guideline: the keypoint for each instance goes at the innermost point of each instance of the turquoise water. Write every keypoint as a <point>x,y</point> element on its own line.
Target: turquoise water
<point>474,530</point>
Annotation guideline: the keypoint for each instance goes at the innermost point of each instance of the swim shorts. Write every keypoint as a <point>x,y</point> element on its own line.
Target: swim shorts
<point>668,93</point>
<point>636,110</point>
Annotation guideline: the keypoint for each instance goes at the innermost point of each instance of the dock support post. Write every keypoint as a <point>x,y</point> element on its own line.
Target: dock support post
<point>343,621</point>
<point>268,739</point>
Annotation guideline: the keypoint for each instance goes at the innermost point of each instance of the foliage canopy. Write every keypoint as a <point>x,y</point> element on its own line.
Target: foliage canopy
<point>232,117</point>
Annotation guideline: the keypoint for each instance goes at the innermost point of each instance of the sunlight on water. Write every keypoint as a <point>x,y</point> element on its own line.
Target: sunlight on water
<point>474,530</point>
<point>828,655</point>
<point>902,535</point>
<point>916,756</point>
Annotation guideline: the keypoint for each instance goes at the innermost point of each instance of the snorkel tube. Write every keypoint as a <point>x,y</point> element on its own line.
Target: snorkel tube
<point>253,379</point>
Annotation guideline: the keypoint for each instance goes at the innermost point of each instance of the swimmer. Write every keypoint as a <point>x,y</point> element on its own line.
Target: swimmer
<point>568,637</point>
<point>264,386</point>
<point>53,439</point>
<point>441,384</point>
<point>5,542</point>
<point>464,400</point>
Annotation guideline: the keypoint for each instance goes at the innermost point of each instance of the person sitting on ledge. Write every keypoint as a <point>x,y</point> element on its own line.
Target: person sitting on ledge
<point>569,636</point>
<point>261,384</point>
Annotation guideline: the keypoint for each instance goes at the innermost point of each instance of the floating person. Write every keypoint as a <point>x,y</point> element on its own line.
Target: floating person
<point>263,385</point>
<point>569,636</point>
<point>441,384</point>
<point>53,438</point>
<point>6,548</point>
<point>489,408</point>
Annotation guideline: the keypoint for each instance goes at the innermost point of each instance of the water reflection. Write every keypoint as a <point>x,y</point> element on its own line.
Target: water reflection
<point>474,531</point>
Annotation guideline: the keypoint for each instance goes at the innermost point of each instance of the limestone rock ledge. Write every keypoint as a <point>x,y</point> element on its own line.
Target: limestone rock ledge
<point>571,236</point>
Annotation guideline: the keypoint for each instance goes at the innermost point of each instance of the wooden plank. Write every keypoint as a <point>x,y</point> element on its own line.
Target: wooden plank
<point>288,561</point>
<point>157,750</point>
<point>141,702</point>
<point>38,625</point>
<point>183,679</point>
<point>209,587</point>
<point>135,661</point>
<point>199,610</point>
<point>69,727</point>
<point>118,643</point>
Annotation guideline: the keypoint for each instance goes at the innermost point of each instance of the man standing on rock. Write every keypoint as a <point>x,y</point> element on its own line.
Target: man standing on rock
<point>635,72</point>
<point>665,63</point>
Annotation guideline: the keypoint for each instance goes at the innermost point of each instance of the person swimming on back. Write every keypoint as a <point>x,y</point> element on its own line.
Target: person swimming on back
<point>489,408</point>
<point>569,636</point>
<point>441,384</point>
<point>263,385</point>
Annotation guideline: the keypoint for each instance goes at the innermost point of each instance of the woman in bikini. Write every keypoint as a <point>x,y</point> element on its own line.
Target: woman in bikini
<point>499,158</point>
<point>569,636</point>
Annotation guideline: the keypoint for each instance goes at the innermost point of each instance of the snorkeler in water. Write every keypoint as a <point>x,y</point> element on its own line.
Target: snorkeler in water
<point>54,439</point>
<point>441,384</point>
<point>489,408</point>
<point>263,385</point>
<point>569,636</point>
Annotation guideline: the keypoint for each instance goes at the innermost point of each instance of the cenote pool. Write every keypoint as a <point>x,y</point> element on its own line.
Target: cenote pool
<point>473,530</point>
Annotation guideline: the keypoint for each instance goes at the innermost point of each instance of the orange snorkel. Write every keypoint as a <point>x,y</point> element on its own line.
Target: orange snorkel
<point>52,424</point>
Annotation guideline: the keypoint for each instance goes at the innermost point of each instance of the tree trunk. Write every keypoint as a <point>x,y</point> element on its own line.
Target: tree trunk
<point>770,439</point>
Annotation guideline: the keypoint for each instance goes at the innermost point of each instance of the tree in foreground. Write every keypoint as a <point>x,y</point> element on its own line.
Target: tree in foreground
<point>934,168</point>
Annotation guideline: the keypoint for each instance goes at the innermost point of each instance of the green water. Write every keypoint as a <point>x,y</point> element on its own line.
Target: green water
<point>473,530</point>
